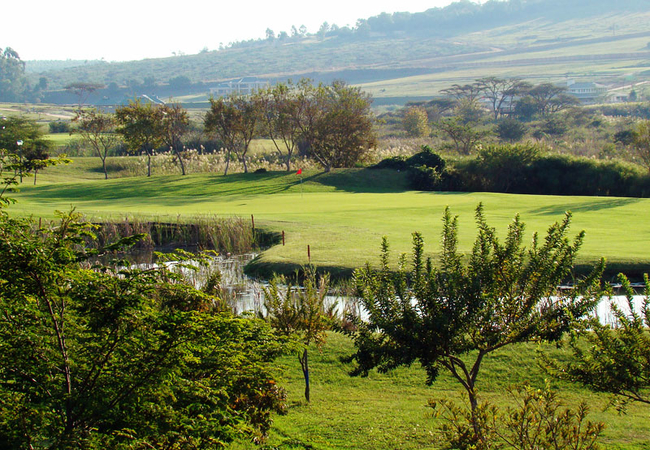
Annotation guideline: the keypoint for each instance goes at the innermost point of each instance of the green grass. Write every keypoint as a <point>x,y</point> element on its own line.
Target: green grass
<point>342,215</point>
<point>389,411</point>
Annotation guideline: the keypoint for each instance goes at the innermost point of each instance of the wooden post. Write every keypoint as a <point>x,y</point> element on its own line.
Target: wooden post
<point>283,238</point>
<point>309,253</point>
<point>253,222</point>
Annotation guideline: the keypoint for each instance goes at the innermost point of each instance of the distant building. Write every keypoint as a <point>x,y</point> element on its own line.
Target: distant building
<point>587,92</point>
<point>243,86</point>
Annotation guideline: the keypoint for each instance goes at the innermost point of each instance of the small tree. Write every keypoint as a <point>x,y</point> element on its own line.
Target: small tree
<point>120,357</point>
<point>301,313</point>
<point>280,107</point>
<point>416,122</point>
<point>641,142</point>
<point>617,357</point>
<point>536,422</point>
<point>510,129</point>
<point>234,121</point>
<point>452,316</point>
<point>336,122</point>
<point>175,123</point>
<point>98,131</point>
<point>464,136</point>
<point>140,126</point>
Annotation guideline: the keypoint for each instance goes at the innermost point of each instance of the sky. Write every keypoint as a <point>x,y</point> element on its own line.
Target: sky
<point>123,30</point>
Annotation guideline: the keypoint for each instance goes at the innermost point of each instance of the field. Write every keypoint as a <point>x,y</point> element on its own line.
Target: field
<point>340,215</point>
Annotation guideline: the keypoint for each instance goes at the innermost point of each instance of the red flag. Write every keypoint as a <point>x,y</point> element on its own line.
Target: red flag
<point>299,172</point>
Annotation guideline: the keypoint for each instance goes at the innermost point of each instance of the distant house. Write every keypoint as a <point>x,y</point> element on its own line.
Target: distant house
<point>243,86</point>
<point>586,92</point>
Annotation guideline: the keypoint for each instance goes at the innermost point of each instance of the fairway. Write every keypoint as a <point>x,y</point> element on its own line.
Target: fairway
<point>342,215</point>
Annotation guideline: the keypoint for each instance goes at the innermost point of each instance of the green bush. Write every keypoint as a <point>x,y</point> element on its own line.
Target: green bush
<point>426,158</point>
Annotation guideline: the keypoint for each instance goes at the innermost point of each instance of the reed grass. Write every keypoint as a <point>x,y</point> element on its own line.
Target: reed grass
<point>222,234</point>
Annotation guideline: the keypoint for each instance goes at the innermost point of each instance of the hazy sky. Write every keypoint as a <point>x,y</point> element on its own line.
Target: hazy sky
<point>125,30</point>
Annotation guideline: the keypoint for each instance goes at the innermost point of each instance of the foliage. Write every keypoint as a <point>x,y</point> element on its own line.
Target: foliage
<point>464,136</point>
<point>427,157</point>
<point>60,126</point>
<point>510,129</point>
<point>300,313</point>
<point>97,130</point>
<point>281,108</point>
<point>139,124</point>
<point>499,91</point>
<point>233,120</point>
<point>416,122</point>
<point>641,142</point>
<point>118,356</point>
<point>24,138</point>
<point>617,357</point>
<point>336,124</point>
<point>537,422</point>
<point>506,164</point>
<point>450,317</point>
<point>174,124</point>
<point>12,76</point>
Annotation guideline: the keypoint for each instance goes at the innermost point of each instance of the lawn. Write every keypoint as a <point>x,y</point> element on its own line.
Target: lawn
<point>341,215</point>
<point>389,411</point>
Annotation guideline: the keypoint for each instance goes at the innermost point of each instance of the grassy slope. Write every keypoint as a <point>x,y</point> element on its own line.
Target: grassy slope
<point>388,411</point>
<point>342,215</point>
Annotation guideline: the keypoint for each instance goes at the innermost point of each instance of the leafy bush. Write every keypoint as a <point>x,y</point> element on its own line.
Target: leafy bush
<point>393,163</point>
<point>426,158</point>
<point>59,127</point>
<point>423,178</point>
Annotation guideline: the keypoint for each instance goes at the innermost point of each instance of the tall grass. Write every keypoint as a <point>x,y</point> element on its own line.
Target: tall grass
<point>225,235</point>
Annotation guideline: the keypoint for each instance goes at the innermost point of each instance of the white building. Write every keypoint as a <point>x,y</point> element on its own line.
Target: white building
<point>243,86</point>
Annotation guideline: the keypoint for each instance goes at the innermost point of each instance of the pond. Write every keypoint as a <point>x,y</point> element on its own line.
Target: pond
<point>243,293</point>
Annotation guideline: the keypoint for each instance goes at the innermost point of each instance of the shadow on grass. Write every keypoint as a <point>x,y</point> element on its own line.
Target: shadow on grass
<point>586,206</point>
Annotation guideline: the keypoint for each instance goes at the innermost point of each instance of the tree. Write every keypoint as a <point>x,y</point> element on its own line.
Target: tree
<point>499,90</point>
<point>139,124</point>
<point>119,356</point>
<point>82,91</point>
<point>616,358</point>
<point>336,122</point>
<point>549,98</point>
<point>416,122</point>
<point>12,76</point>
<point>471,92</point>
<point>300,313</point>
<point>234,120</point>
<point>24,138</point>
<point>641,142</point>
<point>510,129</point>
<point>280,107</point>
<point>464,135</point>
<point>451,316</point>
<point>97,130</point>
<point>175,123</point>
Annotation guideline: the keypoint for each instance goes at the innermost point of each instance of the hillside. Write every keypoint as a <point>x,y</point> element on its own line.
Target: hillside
<point>404,55</point>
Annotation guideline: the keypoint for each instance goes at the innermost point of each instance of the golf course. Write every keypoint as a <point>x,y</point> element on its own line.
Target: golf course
<point>341,215</point>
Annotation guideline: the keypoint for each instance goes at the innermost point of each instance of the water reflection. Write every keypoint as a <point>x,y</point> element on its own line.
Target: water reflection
<point>242,293</point>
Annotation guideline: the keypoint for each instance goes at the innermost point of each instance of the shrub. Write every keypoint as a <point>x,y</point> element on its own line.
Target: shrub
<point>59,127</point>
<point>426,158</point>
<point>510,129</point>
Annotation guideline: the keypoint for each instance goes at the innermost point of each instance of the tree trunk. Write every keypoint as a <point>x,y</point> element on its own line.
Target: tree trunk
<point>180,160</point>
<point>148,164</point>
<point>104,167</point>
<point>304,364</point>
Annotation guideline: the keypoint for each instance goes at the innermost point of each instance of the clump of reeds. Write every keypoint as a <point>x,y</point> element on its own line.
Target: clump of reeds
<point>223,234</point>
